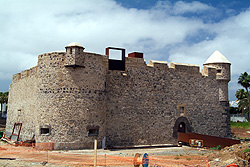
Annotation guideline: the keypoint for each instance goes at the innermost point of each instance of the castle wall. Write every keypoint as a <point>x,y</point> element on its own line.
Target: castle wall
<point>72,100</point>
<point>22,103</point>
<point>145,104</point>
<point>67,101</point>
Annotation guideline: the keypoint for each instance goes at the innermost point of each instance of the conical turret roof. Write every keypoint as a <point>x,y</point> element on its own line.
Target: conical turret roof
<point>217,57</point>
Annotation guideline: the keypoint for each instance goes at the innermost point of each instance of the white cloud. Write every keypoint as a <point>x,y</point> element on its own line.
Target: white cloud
<point>230,39</point>
<point>15,61</point>
<point>181,7</point>
<point>29,28</point>
<point>35,26</point>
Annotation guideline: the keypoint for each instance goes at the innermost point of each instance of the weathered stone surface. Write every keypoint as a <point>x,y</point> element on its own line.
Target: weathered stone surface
<point>72,99</point>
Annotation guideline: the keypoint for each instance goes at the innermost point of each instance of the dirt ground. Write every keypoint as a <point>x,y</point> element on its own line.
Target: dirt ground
<point>11,156</point>
<point>241,133</point>
<point>174,156</point>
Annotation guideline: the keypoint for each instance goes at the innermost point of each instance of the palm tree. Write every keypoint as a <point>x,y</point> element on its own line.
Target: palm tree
<point>241,94</point>
<point>243,105</point>
<point>244,80</point>
<point>3,99</point>
<point>243,101</point>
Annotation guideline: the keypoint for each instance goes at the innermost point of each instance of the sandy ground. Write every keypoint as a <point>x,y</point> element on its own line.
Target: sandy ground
<point>174,156</point>
<point>28,156</point>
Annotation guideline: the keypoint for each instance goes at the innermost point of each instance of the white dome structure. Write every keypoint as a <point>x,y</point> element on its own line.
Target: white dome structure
<point>74,44</point>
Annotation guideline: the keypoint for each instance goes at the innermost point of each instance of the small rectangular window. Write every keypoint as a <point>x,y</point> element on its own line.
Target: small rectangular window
<point>181,109</point>
<point>45,130</point>
<point>219,71</point>
<point>93,131</point>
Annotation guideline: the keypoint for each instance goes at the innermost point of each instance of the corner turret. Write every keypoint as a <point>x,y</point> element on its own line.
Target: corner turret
<point>74,55</point>
<point>223,72</point>
<point>222,65</point>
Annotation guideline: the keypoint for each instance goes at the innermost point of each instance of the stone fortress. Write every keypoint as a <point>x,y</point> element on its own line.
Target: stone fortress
<point>71,98</point>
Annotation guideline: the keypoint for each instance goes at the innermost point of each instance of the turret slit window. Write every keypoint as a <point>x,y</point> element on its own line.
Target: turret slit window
<point>219,71</point>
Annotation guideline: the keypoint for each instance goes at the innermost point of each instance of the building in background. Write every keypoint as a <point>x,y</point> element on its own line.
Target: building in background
<point>3,108</point>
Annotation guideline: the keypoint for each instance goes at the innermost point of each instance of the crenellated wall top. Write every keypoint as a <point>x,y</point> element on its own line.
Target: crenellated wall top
<point>134,60</point>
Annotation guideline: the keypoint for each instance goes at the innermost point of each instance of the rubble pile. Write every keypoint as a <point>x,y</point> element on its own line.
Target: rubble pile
<point>238,154</point>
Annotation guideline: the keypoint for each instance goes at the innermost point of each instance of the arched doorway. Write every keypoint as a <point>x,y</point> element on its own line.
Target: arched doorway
<point>181,125</point>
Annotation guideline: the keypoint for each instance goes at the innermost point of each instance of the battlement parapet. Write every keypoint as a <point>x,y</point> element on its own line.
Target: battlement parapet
<point>134,61</point>
<point>57,55</point>
<point>158,64</point>
<point>89,54</point>
<point>222,70</point>
<point>90,57</point>
<point>24,74</point>
<point>187,68</point>
<point>54,53</point>
<point>209,71</point>
<point>16,77</point>
<point>33,71</point>
<point>52,59</point>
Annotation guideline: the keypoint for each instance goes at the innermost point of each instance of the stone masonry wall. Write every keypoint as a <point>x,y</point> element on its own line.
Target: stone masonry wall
<point>72,99</point>
<point>141,105</point>
<point>22,103</point>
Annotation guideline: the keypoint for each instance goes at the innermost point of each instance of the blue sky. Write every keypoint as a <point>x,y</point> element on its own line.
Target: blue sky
<point>174,31</point>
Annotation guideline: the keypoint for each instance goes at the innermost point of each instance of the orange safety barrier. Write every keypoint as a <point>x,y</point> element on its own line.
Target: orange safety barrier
<point>232,165</point>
